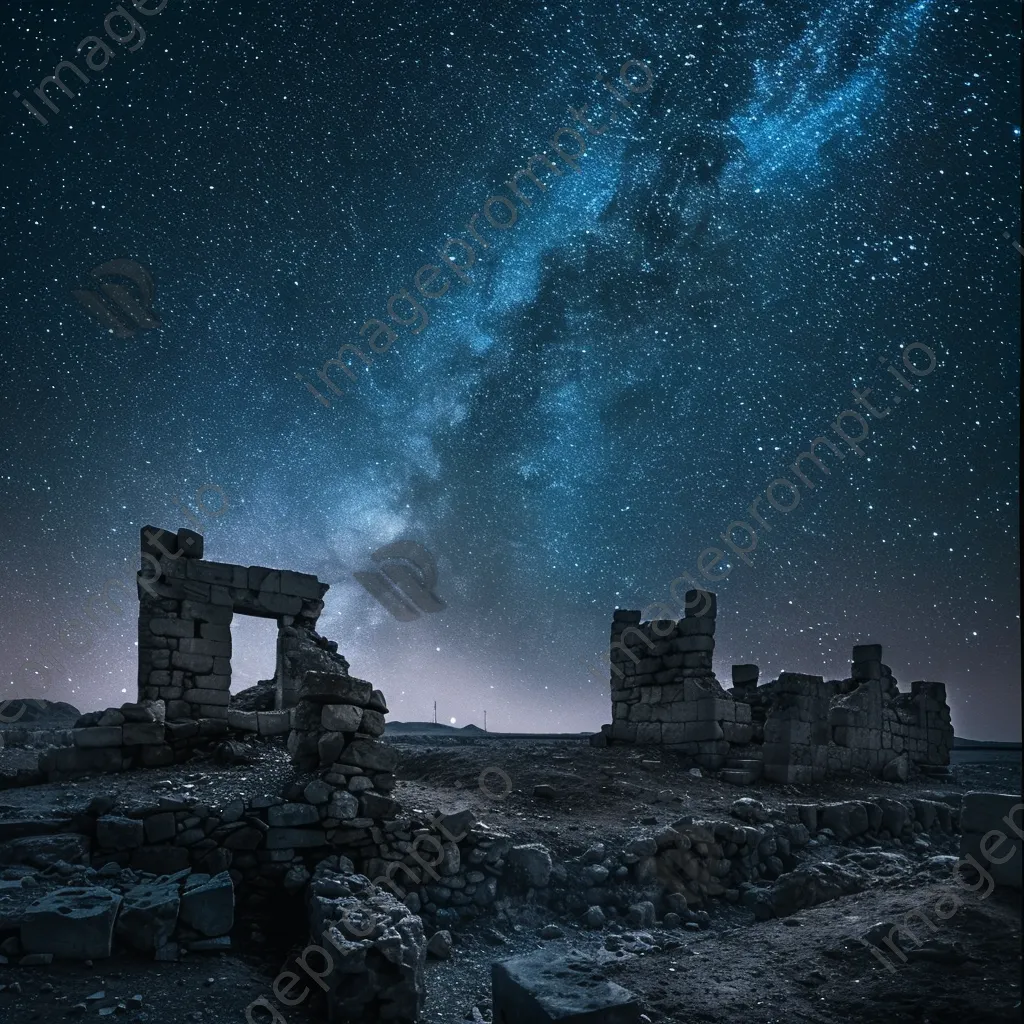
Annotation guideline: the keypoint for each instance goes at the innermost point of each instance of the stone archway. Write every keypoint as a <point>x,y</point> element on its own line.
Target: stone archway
<point>186,606</point>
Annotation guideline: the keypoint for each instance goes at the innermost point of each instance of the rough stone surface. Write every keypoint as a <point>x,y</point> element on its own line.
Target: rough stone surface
<point>377,946</point>
<point>72,923</point>
<point>540,989</point>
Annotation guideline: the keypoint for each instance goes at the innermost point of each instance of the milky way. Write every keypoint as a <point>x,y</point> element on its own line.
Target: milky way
<point>803,190</point>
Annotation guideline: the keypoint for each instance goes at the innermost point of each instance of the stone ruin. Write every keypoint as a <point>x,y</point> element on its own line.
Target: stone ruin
<point>795,729</point>
<point>161,876</point>
<point>185,612</point>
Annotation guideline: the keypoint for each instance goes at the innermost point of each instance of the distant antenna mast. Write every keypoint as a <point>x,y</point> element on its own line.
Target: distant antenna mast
<point>435,712</point>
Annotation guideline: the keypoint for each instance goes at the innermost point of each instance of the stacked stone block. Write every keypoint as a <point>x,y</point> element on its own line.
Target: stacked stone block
<point>795,729</point>
<point>876,728</point>
<point>117,739</point>
<point>664,689</point>
<point>376,945</point>
<point>186,606</point>
<point>336,730</point>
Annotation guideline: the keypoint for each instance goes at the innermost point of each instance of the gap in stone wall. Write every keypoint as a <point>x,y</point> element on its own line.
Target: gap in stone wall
<point>253,650</point>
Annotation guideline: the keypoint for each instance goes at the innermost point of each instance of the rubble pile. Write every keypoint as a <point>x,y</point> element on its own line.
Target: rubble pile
<point>375,943</point>
<point>88,913</point>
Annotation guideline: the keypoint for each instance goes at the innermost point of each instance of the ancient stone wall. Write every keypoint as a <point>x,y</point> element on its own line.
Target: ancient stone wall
<point>186,606</point>
<point>795,729</point>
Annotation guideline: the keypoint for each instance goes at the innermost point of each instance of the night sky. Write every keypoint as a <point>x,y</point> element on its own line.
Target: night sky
<point>801,191</point>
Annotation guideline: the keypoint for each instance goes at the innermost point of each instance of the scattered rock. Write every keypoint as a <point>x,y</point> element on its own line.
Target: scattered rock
<point>748,809</point>
<point>533,863</point>
<point>439,945</point>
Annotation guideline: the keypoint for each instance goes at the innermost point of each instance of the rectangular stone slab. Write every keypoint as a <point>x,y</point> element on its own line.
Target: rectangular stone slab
<point>539,989</point>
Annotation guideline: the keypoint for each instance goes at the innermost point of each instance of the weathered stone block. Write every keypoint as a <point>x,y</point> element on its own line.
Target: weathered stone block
<point>157,756</point>
<point>117,833</point>
<point>209,908</point>
<point>736,733</point>
<point>624,732</point>
<point>694,644</point>
<point>148,916</point>
<point>220,573</point>
<point>648,732</point>
<point>274,723</point>
<point>300,584</point>
<point>72,924</point>
<point>865,670</point>
<point>543,990</point>
<point>341,717</point>
<point>97,736</point>
<point>203,612</point>
<point>216,712</point>
<point>706,730</point>
<point>328,688</point>
<point>243,721</point>
<point>172,627</point>
<point>982,812</point>
<point>701,604</point>
<point>372,723</point>
<point>294,838</point>
<point>716,709</point>
<point>329,747</point>
<point>292,815</point>
<point>867,652</point>
<point>142,733</point>
<point>201,695</point>
<point>198,663</point>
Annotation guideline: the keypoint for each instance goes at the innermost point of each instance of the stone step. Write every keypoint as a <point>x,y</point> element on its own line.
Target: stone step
<point>738,777</point>
<point>744,764</point>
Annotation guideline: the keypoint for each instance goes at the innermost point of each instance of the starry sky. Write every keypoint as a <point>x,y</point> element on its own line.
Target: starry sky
<point>803,190</point>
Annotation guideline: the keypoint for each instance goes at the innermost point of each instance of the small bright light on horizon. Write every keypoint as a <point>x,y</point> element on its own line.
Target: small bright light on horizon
<point>452,720</point>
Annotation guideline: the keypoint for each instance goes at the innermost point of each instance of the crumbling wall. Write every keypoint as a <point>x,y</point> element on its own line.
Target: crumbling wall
<point>186,606</point>
<point>795,729</point>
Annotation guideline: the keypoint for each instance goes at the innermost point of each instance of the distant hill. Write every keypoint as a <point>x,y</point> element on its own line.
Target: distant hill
<point>432,728</point>
<point>466,732</point>
<point>19,713</point>
<point>960,743</point>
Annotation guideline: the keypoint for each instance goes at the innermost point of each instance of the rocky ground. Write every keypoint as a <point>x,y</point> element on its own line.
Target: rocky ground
<point>721,968</point>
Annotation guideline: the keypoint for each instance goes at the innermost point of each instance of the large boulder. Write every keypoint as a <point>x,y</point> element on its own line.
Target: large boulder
<point>72,924</point>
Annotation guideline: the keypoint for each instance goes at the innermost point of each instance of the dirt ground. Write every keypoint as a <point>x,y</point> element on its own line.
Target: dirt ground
<point>804,968</point>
